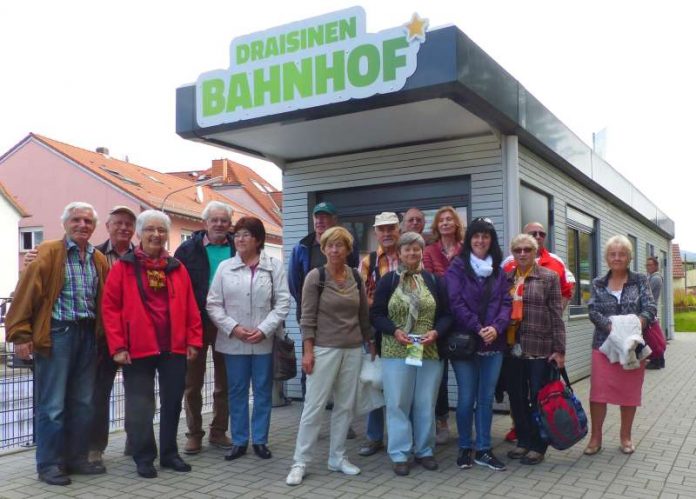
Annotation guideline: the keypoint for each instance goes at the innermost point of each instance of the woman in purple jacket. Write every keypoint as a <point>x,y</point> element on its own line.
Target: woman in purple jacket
<point>481,304</point>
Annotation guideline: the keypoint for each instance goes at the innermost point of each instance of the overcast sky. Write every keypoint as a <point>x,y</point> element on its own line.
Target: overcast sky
<point>104,73</point>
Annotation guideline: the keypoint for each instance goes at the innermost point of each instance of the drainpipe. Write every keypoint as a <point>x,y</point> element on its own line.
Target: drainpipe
<point>511,188</point>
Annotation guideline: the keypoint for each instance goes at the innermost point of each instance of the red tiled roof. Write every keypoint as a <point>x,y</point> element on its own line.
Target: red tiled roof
<point>152,187</point>
<point>255,185</point>
<point>677,264</point>
<point>13,201</point>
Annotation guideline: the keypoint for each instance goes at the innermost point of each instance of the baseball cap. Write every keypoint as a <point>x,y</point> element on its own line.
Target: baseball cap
<point>325,207</point>
<point>386,218</point>
<point>122,209</point>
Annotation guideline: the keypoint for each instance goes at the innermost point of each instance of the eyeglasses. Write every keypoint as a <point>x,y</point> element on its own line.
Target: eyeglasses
<point>526,249</point>
<point>537,233</point>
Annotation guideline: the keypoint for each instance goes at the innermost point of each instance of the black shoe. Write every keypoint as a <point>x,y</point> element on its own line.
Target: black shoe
<point>262,451</point>
<point>401,469</point>
<point>486,458</point>
<point>653,364</point>
<point>235,452</point>
<point>464,459</point>
<point>176,463</point>
<point>146,470</point>
<point>53,475</point>
<point>85,468</point>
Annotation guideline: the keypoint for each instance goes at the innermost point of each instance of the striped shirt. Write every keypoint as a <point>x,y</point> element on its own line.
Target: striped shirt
<point>78,298</point>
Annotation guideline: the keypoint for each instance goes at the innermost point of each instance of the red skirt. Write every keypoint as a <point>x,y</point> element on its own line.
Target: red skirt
<point>612,384</point>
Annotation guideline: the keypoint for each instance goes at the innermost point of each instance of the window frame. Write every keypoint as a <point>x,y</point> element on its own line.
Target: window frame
<point>32,231</point>
<point>587,224</point>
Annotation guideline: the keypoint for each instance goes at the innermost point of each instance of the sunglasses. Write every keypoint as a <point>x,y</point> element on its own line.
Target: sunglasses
<point>537,233</point>
<point>526,249</point>
<point>483,219</point>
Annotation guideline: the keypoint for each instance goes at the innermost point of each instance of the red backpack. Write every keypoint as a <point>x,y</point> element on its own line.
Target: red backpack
<point>562,420</point>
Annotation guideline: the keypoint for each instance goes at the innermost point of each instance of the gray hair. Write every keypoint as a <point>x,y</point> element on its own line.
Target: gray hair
<point>619,240</point>
<point>409,238</point>
<point>217,205</point>
<point>148,215</point>
<point>524,238</point>
<point>78,205</point>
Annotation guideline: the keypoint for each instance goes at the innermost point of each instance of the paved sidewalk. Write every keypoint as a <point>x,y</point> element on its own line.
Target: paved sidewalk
<point>664,464</point>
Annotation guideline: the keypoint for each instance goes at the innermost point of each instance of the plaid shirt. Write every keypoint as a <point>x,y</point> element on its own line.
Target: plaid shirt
<point>384,265</point>
<point>636,298</point>
<point>77,299</point>
<point>542,330</point>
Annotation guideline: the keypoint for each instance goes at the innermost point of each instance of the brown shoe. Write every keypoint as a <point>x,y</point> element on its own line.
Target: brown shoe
<point>532,458</point>
<point>221,441</point>
<point>194,444</point>
<point>401,469</point>
<point>427,462</point>
<point>517,453</point>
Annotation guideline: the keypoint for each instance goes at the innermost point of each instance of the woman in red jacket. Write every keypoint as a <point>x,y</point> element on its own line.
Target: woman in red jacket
<point>448,234</point>
<point>152,324</point>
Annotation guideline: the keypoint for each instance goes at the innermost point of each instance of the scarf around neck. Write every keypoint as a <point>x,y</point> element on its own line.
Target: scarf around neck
<point>154,267</point>
<point>482,268</point>
<point>410,284</point>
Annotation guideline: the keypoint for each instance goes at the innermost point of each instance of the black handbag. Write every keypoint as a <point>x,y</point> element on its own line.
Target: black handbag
<point>284,358</point>
<point>462,345</point>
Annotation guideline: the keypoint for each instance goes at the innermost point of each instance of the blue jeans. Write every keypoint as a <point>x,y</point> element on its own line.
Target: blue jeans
<point>64,386</point>
<point>525,378</point>
<point>476,380</point>
<point>410,393</point>
<point>242,369</point>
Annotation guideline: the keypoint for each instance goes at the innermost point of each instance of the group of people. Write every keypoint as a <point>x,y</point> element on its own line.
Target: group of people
<point>82,312</point>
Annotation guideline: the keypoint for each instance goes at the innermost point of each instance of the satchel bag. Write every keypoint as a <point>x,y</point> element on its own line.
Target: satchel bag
<point>560,417</point>
<point>462,345</point>
<point>655,339</point>
<point>284,357</point>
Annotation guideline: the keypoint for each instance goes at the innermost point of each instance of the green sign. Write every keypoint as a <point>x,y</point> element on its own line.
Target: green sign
<point>310,63</point>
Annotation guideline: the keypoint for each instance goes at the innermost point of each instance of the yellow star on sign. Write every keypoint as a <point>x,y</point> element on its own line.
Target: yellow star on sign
<point>415,28</point>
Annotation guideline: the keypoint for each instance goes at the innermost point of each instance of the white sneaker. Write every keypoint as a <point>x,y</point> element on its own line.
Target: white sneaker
<point>345,467</point>
<point>297,473</point>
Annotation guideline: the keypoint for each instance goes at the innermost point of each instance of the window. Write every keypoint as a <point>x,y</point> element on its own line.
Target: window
<point>30,238</point>
<point>535,206</point>
<point>634,249</point>
<point>581,234</point>
<point>186,235</point>
<point>649,250</point>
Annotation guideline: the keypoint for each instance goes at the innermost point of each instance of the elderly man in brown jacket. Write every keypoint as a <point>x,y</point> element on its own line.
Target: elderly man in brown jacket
<point>55,317</point>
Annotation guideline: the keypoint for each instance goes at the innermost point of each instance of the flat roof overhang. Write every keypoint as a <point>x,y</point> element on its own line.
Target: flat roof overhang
<point>456,91</point>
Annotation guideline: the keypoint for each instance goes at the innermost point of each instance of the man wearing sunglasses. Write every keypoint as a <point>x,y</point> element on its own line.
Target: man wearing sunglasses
<point>547,259</point>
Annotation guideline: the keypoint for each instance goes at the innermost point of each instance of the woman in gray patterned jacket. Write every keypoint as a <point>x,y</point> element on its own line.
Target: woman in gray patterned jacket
<point>619,292</point>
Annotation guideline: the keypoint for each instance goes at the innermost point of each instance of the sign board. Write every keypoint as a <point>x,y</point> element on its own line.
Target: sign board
<point>322,60</point>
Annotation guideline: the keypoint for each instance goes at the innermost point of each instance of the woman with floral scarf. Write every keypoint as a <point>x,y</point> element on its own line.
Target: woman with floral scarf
<point>152,325</point>
<point>412,311</point>
<point>480,300</point>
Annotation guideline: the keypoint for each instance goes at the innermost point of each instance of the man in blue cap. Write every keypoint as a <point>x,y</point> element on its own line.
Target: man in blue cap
<point>307,255</point>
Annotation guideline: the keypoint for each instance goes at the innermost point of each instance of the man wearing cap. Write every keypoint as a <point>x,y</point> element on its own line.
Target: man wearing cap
<point>372,268</point>
<point>201,255</point>
<point>120,226</point>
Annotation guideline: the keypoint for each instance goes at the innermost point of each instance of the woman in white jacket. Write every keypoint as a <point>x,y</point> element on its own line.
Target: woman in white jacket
<point>248,301</point>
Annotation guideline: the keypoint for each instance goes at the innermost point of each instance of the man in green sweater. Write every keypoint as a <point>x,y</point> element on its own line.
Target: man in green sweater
<point>201,255</point>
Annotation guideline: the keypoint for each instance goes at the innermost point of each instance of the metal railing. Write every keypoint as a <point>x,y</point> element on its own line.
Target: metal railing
<point>17,397</point>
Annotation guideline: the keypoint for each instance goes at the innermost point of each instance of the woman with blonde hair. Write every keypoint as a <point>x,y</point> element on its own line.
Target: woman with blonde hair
<point>619,292</point>
<point>335,324</point>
